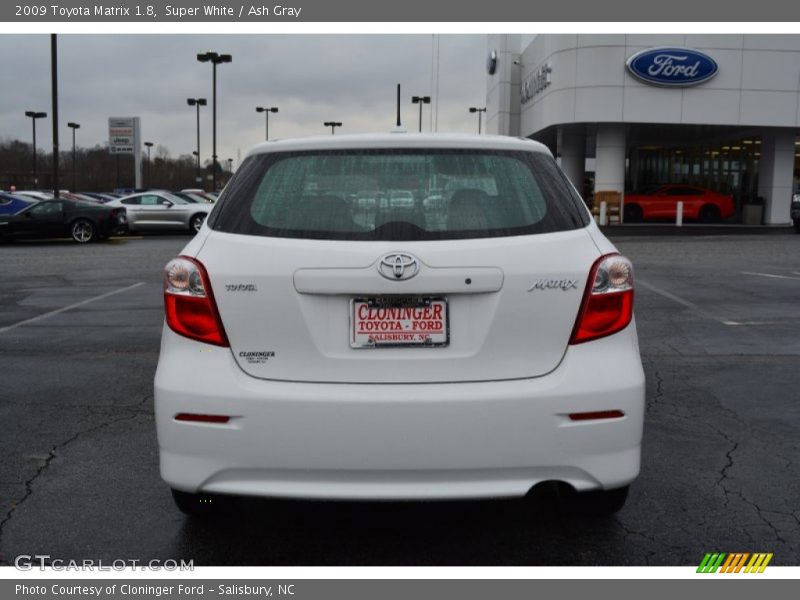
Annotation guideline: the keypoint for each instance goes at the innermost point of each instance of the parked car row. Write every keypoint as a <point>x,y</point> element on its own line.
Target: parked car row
<point>82,221</point>
<point>87,217</point>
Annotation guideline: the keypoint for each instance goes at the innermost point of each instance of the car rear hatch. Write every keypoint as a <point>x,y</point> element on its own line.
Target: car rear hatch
<point>286,306</point>
<point>422,297</point>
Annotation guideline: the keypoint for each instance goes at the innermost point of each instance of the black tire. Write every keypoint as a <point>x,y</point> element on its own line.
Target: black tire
<point>601,503</point>
<point>709,214</point>
<point>633,213</point>
<point>196,222</point>
<point>83,231</point>
<point>797,225</point>
<point>195,505</point>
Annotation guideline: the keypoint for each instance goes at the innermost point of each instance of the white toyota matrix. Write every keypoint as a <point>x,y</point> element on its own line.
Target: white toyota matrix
<point>399,316</point>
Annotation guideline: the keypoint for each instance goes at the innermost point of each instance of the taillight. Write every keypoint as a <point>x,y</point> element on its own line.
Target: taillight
<point>189,302</point>
<point>197,418</point>
<point>607,305</point>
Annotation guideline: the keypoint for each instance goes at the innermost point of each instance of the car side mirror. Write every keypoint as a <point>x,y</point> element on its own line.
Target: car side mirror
<point>167,203</point>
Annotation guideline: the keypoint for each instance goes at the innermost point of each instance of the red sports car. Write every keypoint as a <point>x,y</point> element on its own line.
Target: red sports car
<point>661,203</point>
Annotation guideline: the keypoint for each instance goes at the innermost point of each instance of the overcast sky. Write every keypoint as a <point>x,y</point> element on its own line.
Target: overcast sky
<point>311,78</point>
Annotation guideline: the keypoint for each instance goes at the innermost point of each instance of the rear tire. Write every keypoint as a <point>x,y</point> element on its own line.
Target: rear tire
<point>83,231</point>
<point>797,225</point>
<point>195,505</point>
<point>196,223</point>
<point>709,214</point>
<point>633,213</point>
<point>600,503</point>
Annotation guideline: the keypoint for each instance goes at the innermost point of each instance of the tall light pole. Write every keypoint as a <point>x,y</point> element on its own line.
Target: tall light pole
<point>420,100</point>
<point>215,59</point>
<point>333,125</point>
<point>54,107</point>
<point>73,126</point>
<point>198,102</point>
<point>149,145</point>
<point>472,109</point>
<point>266,111</point>
<point>34,115</point>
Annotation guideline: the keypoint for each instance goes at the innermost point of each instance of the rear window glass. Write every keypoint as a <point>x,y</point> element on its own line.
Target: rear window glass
<point>398,195</point>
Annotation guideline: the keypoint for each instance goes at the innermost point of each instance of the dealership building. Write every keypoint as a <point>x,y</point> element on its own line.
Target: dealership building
<point>627,112</point>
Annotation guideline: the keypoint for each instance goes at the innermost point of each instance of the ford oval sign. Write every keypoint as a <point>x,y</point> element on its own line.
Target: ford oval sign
<point>672,67</point>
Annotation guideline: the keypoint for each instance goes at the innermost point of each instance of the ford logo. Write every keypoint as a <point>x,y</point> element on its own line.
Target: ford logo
<point>672,67</point>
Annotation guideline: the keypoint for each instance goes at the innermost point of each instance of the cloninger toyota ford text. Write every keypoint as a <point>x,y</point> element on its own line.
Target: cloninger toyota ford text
<point>399,316</point>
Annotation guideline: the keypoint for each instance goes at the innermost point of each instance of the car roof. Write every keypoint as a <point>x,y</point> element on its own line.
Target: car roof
<point>14,196</point>
<point>401,140</point>
<point>146,193</point>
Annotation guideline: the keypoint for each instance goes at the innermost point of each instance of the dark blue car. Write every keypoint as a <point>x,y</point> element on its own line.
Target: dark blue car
<point>11,204</point>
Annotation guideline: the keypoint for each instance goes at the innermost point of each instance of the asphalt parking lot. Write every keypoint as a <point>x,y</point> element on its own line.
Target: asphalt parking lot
<point>719,327</point>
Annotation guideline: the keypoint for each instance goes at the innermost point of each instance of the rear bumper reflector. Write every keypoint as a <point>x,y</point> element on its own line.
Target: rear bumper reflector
<point>600,414</point>
<point>202,418</point>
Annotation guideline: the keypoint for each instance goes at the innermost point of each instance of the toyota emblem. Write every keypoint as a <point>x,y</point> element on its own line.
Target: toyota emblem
<point>398,266</point>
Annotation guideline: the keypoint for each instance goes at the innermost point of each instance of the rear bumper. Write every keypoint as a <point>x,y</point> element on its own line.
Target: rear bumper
<point>413,441</point>
<point>108,228</point>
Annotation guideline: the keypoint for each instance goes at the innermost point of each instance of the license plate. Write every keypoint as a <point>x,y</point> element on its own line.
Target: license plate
<point>414,321</point>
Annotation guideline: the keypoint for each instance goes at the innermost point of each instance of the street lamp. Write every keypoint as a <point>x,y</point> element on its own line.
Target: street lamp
<point>215,59</point>
<point>34,115</point>
<point>149,145</point>
<point>73,126</point>
<point>197,102</point>
<point>420,100</point>
<point>333,125</point>
<point>266,111</point>
<point>472,109</point>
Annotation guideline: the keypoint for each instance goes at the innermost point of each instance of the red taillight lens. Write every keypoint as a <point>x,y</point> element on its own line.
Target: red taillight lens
<point>202,418</point>
<point>607,305</point>
<point>189,302</point>
<point>593,416</point>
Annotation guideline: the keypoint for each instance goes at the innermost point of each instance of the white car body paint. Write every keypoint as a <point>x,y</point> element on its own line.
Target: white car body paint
<point>485,416</point>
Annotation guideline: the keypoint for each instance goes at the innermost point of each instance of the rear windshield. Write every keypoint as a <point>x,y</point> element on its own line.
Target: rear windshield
<point>398,195</point>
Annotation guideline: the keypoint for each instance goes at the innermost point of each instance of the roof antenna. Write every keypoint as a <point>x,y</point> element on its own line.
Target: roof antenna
<point>399,127</point>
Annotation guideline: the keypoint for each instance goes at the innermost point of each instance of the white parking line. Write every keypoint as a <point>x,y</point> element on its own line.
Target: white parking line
<point>771,275</point>
<point>690,305</point>
<point>755,322</point>
<point>70,307</point>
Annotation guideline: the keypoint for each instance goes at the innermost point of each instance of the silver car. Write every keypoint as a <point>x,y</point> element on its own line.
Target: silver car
<point>159,210</point>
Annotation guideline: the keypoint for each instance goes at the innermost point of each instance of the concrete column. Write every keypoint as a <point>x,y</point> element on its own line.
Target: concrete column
<point>572,149</point>
<point>502,88</point>
<point>609,172</point>
<point>776,174</point>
